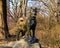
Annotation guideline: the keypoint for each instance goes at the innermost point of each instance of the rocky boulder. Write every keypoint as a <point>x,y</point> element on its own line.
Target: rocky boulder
<point>22,43</point>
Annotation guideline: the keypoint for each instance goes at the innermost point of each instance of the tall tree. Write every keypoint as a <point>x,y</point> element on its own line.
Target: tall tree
<point>5,19</point>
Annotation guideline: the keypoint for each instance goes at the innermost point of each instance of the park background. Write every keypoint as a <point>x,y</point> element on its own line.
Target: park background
<point>48,19</point>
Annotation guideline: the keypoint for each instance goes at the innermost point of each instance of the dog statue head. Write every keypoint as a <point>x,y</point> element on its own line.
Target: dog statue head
<point>21,23</point>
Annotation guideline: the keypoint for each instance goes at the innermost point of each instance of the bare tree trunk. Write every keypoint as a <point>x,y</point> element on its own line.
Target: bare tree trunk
<point>5,19</point>
<point>25,6</point>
